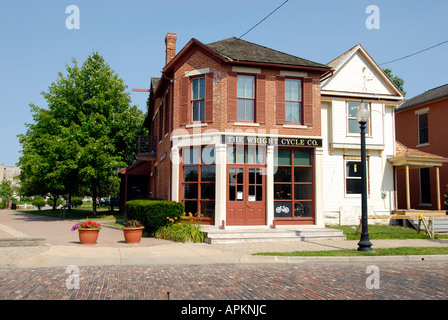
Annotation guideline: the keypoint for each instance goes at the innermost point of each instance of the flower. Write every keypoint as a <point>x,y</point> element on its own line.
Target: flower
<point>132,224</point>
<point>87,225</point>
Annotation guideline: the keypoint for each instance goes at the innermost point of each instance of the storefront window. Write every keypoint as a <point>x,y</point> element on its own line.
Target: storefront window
<point>293,184</point>
<point>198,183</point>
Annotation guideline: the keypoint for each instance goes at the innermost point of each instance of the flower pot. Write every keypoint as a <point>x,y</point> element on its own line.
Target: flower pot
<point>87,235</point>
<point>133,235</point>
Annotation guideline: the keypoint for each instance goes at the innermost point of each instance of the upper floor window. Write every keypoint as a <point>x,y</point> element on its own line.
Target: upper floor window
<point>423,128</point>
<point>198,99</point>
<point>246,98</point>
<point>353,125</point>
<point>293,101</point>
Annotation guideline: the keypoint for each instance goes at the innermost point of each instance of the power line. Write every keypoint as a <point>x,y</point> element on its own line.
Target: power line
<point>413,54</point>
<point>262,19</point>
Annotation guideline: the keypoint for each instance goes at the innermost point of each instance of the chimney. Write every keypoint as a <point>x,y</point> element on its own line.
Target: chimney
<point>170,42</point>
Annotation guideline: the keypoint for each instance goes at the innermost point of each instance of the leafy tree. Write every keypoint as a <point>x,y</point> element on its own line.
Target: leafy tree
<point>87,134</point>
<point>6,191</point>
<point>397,80</point>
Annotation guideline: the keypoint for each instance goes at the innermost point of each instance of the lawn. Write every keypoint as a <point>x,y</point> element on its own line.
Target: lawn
<point>375,232</point>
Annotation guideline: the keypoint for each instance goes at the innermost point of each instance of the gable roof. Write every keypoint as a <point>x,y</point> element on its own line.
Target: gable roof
<point>235,49</point>
<point>341,61</point>
<point>425,97</point>
<point>415,158</point>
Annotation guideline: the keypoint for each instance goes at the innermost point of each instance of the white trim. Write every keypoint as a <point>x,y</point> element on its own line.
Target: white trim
<point>247,124</point>
<point>246,70</point>
<point>297,74</point>
<point>295,126</point>
<point>196,125</point>
<point>422,111</point>
<point>196,72</point>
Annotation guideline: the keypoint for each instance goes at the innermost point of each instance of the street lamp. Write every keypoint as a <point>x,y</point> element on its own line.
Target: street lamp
<point>362,116</point>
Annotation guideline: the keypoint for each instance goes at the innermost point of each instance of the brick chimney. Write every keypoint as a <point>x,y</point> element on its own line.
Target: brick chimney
<point>170,42</point>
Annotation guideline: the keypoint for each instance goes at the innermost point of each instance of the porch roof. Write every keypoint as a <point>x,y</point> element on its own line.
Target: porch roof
<point>414,158</point>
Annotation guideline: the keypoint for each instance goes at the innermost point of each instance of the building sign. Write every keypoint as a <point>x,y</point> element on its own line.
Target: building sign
<point>273,141</point>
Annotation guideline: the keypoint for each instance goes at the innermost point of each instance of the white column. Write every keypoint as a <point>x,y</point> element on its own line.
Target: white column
<point>175,161</point>
<point>270,186</point>
<point>220,184</point>
<point>319,187</point>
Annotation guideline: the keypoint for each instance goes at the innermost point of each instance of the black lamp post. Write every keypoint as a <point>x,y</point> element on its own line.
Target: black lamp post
<point>362,115</point>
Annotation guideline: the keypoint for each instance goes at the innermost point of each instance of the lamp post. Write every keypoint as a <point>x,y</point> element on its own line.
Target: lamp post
<point>362,116</point>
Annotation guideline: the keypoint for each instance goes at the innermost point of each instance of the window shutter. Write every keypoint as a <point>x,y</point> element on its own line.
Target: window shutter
<point>208,109</point>
<point>232,96</point>
<point>308,101</point>
<point>184,101</point>
<point>261,99</point>
<point>280,93</point>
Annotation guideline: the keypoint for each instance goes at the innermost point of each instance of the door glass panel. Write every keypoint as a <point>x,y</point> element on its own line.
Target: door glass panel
<point>283,174</point>
<point>259,193</point>
<point>302,192</point>
<point>259,176</point>
<point>303,209</point>
<point>282,209</point>
<point>251,193</point>
<point>251,176</point>
<point>302,157</point>
<point>240,175</point>
<point>232,193</point>
<point>302,174</point>
<point>239,193</point>
<point>282,191</point>
<point>232,175</point>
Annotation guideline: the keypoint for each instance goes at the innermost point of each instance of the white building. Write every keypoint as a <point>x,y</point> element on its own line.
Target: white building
<point>357,78</point>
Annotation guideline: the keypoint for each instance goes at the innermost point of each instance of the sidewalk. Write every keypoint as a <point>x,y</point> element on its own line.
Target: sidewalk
<point>56,245</point>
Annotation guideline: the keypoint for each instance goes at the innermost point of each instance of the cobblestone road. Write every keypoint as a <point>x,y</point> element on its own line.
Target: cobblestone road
<point>408,281</point>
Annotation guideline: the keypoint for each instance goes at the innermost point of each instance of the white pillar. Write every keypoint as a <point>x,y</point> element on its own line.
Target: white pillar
<point>220,184</point>
<point>319,187</point>
<point>270,186</point>
<point>175,161</point>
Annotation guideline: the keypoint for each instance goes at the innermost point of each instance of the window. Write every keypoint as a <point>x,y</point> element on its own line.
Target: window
<point>353,125</point>
<point>198,183</point>
<point>423,128</point>
<point>425,186</point>
<point>293,101</point>
<point>198,99</point>
<point>246,98</point>
<point>293,184</point>
<point>353,177</point>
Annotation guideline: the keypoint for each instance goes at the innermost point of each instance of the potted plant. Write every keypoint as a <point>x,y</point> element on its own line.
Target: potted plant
<point>87,231</point>
<point>132,230</point>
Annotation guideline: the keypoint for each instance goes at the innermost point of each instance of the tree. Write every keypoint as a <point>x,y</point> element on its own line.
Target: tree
<point>397,80</point>
<point>6,191</point>
<point>88,133</point>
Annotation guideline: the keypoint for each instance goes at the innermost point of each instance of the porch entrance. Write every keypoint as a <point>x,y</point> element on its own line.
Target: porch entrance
<point>246,196</point>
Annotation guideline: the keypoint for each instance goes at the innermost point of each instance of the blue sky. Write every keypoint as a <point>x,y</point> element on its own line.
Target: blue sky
<point>35,43</point>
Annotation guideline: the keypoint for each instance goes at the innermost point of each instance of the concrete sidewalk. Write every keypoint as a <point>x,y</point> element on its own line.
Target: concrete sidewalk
<point>56,245</point>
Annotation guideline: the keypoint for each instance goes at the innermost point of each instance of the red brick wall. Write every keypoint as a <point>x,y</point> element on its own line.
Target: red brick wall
<point>406,126</point>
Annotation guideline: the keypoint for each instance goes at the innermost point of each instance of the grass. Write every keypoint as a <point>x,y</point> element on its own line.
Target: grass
<point>375,232</point>
<point>402,251</point>
<point>385,232</point>
<point>79,214</point>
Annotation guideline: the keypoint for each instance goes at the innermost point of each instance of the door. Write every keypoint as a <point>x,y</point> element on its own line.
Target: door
<point>246,203</point>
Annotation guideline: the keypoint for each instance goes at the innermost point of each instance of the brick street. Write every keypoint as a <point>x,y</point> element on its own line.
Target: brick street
<point>409,281</point>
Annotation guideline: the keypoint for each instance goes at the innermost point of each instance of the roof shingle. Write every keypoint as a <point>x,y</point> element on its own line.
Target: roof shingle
<point>424,98</point>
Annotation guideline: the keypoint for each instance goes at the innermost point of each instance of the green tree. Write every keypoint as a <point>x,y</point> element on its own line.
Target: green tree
<point>397,80</point>
<point>88,133</point>
<point>6,191</point>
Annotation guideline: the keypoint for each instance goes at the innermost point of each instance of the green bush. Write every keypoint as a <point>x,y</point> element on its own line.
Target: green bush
<point>153,213</point>
<point>3,204</point>
<point>181,232</point>
<point>38,202</point>
<point>76,201</point>
<point>50,202</point>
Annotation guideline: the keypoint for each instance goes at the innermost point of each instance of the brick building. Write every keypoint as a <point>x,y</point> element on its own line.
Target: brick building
<point>235,133</point>
<point>421,129</point>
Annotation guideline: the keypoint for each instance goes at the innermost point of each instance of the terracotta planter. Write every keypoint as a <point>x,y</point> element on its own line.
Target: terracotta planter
<point>133,235</point>
<point>87,235</point>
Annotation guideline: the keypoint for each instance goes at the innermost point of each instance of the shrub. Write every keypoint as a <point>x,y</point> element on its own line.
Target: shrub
<point>50,202</point>
<point>181,231</point>
<point>38,202</point>
<point>76,201</point>
<point>153,213</point>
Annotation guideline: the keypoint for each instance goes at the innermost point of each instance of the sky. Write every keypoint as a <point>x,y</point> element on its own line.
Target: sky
<point>38,40</point>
